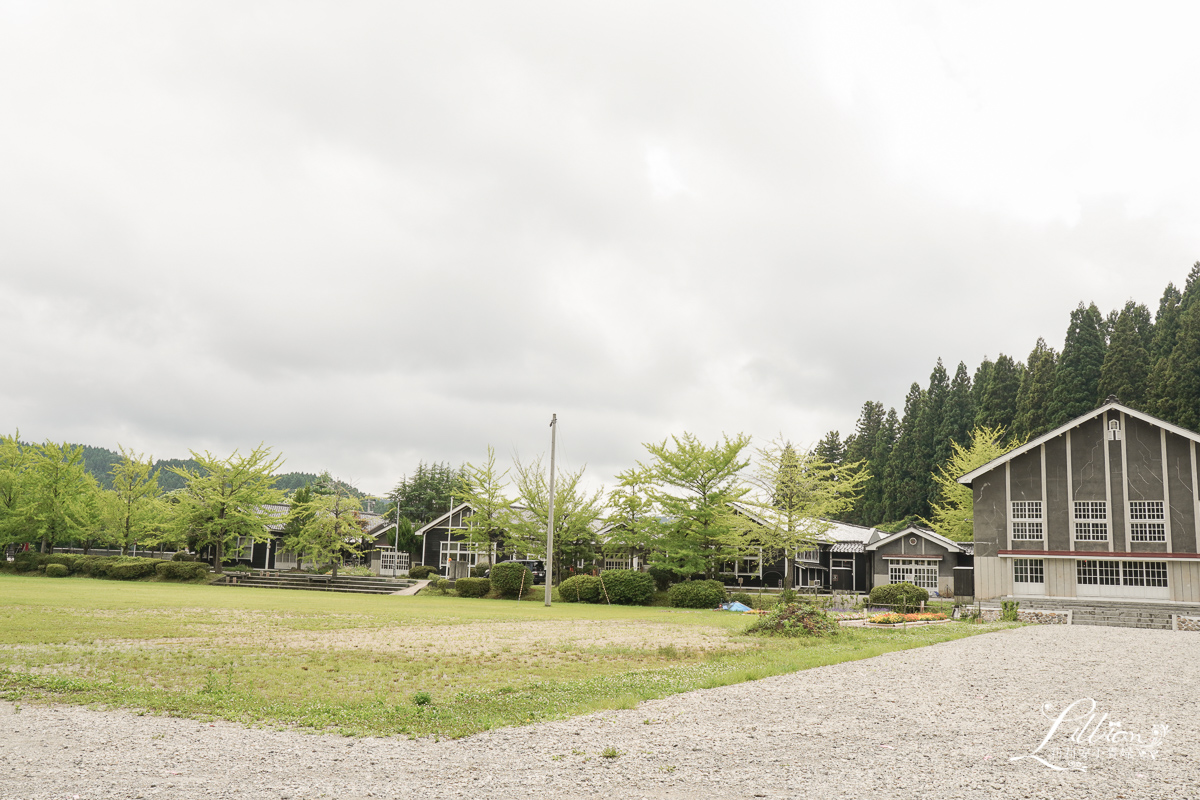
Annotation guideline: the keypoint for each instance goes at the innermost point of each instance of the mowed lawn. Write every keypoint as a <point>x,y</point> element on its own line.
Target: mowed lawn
<point>380,665</point>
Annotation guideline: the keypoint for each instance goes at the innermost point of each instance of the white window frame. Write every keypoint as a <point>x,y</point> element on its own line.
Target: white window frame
<point>1089,520</point>
<point>1122,578</point>
<point>812,554</point>
<point>1147,521</point>
<point>1027,520</point>
<point>462,550</point>
<point>921,572</point>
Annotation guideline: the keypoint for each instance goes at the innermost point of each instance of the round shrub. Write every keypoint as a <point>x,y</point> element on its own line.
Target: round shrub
<point>795,620</point>
<point>627,587</point>
<point>581,589</point>
<point>473,587</point>
<point>422,572</point>
<point>57,571</point>
<point>443,585</point>
<point>183,556</point>
<point>480,569</point>
<point>180,570</point>
<point>509,576</point>
<point>66,559</point>
<point>696,594</point>
<point>663,577</point>
<point>899,594</point>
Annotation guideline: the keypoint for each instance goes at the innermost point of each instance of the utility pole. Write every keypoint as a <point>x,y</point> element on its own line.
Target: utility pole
<point>550,516</point>
<point>396,561</point>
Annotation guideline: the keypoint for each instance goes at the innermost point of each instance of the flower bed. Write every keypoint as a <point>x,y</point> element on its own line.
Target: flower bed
<point>899,619</point>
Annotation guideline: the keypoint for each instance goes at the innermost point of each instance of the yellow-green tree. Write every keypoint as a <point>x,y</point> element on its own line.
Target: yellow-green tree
<point>135,490</point>
<point>330,524</point>
<point>795,494</point>
<point>952,514</point>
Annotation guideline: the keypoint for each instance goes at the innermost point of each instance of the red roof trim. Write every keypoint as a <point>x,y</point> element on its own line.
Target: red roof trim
<point>1087,554</point>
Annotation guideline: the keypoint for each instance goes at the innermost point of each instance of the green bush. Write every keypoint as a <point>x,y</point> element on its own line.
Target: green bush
<point>509,576</point>
<point>899,594</point>
<point>421,573</point>
<point>473,587</point>
<point>480,569</point>
<point>697,594</point>
<point>130,568</point>
<point>183,556</point>
<point>581,589</point>
<point>795,620</point>
<point>57,571</point>
<point>743,598</point>
<point>27,562</point>
<point>180,570</point>
<point>663,577</point>
<point>627,587</point>
<point>65,559</point>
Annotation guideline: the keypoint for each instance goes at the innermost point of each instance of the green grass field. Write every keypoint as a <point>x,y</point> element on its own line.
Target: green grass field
<point>364,665</point>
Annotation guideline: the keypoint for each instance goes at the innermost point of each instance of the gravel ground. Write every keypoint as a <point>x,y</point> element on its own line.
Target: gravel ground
<point>935,722</point>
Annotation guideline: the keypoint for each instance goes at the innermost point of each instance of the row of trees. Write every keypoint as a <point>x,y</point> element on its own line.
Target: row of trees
<point>1152,364</point>
<point>691,507</point>
<point>49,499</point>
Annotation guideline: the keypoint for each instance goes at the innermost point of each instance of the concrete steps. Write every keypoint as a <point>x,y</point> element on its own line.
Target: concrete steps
<point>350,584</point>
<point>1113,614</point>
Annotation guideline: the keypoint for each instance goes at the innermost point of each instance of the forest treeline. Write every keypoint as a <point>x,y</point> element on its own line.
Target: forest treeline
<point>1150,362</point>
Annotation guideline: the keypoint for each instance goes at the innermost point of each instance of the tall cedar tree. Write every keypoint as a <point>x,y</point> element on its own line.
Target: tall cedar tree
<point>1077,379</point>
<point>426,494</point>
<point>1179,399</point>
<point>881,457</point>
<point>958,416</point>
<point>904,476</point>
<point>695,484</point>
<point>831,449</point>
<point>932,449</point>
<point>983,374</point>
<point>1033,397</point>
<point>998,405</point>
<point>1126,368</point>
<point>860,446</point>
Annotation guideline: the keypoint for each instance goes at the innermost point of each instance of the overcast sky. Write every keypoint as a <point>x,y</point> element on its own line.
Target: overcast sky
<point>374,233</point>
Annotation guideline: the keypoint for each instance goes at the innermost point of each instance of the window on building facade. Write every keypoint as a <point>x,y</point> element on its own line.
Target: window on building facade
<point>1029,570</point>
<point>1027,519</point>
<point>1091,520</point>
<point>843,563</point>
<point>809,555</point>
<point>1143,526</point>
<point>460,551</point>
<point>922,572</point>
<point>1098,573</point>
<point>1144,573</point>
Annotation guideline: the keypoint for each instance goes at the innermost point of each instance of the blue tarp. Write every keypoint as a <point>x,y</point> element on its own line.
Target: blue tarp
<point>735,606</point>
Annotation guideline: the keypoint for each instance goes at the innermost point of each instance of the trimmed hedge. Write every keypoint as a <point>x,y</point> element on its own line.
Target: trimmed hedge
<point>57,571</point>
<point>182,556</point>
<point>27,562</point>
<point>581,589</point>
<point>628,587</point>
<point>129,568</point>
<point>473,587</point>
<point>421,573</point>
<point>509,576</point>
<point>181,570</point>
<point>697,594</point>
<point>899,594</point>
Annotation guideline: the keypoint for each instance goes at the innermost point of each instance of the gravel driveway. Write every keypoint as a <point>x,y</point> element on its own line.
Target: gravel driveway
<point>935,722</point>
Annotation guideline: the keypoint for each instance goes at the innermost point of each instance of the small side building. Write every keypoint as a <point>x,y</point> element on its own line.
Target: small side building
<point>924,558</point>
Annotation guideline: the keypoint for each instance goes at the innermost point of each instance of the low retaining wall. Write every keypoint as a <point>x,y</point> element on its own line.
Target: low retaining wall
<point>1187,623</point>
<point>1032,616</point>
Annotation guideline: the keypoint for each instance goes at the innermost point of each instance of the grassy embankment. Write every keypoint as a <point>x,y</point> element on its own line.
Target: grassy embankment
<point>353,664</point>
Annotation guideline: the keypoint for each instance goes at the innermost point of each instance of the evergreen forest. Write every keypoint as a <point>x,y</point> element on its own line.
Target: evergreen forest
<point>1149,361</point>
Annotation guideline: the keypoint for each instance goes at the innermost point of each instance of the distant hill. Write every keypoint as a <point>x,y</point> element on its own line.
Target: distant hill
<point>99,461</point>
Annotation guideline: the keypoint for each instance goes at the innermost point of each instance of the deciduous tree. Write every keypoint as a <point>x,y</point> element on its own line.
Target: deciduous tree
<point>952,512</point>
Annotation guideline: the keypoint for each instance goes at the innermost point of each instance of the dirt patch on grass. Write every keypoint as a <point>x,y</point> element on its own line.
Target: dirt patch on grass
<point>485,638</point>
